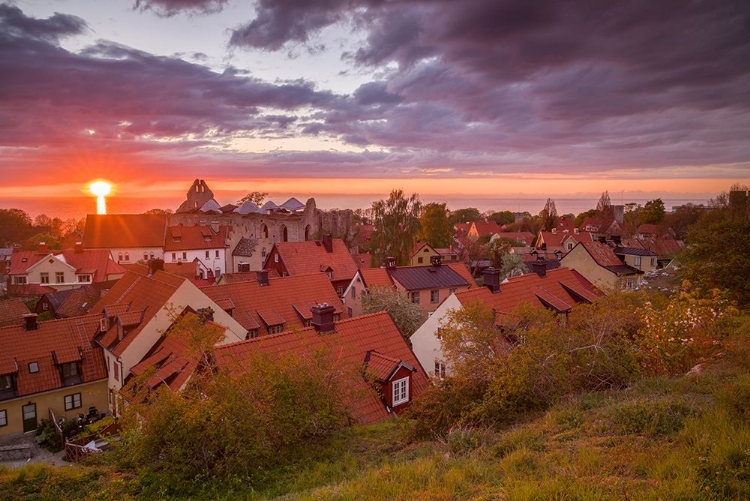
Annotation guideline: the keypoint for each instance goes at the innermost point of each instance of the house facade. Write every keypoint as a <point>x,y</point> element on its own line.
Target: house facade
<point>600,265</point>
<point>206,244</point>
<point>49,366</point>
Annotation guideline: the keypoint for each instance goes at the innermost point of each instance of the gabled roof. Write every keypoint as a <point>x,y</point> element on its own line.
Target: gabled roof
<point>69,339</point>
<point>113,231</point>
<point>81,300</point>
<point>211,206</point>
<point>376,277</point>
<point>420,246</point>
<point>648,229</point>
<point>301,258</point>
<point>604,256</point>
<point>633,251</point>
<point>137,298</point>
<point>350,344</point>
<point>518,236</point>
<point>245,247</point>
<point>484,227</point>
<point>555,290</point>
<point>414,278</point>
<point>55,299</point>
<point>199,237</point>
<point>292,205</point>
<point>12,311</point>
<point>285,300</point>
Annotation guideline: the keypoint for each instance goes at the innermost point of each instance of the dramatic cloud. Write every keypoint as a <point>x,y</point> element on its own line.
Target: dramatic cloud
<point>168,8</point>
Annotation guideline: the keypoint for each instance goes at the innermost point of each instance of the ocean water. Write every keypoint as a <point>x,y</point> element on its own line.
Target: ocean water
<point>78,207</point>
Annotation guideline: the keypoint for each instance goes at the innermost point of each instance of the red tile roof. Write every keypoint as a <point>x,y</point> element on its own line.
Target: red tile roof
<point>96,262</point>
<point>351,343</point>
<point>462,270</point>
<point>110,231</point>
<point>376,277</point>
<point>602,254</point>
<point>169,361</point>
<point>363,260</point>
<point>525,237</point>
<point>549,291</point>
<point>135,298</point>
<point>302,258</point>
<point>12,312</point>
<point>70,339</point>
<point>483,227</point>
<point>181,238</point>
<point>285,300</point>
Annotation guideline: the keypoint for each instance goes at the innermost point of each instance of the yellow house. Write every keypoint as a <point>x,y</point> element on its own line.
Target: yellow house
<point>50,366</point>
<point>422,254</point>
<point>599,264</point>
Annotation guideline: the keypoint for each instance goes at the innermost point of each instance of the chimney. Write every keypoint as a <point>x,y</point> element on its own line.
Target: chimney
<point>322,317</point>
<point>155,265</point>
<point>554,231</point>
<point>29,322</point>
<point>492,279</point>
<point>16,249</point>
<point>616,239</point>
<point>603,240</point>
<point>576,231</point>
<point>390,263</point>
<point>540,267</point>
<point>328,242</point>
<point>262,277</point>
<point>78,248</point>
<point>43,248</point>
<point>215,226</point>
<point>435,261</point>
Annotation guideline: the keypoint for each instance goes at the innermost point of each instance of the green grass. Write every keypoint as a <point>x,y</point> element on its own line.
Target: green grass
<point>679,438</point>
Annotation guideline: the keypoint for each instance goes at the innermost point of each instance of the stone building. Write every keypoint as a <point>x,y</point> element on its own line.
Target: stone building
<point>255,229</point>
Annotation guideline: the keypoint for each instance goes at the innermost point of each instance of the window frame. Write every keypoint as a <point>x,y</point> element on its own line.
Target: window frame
<point>400,391</point>
<point>72,405</point>
<point>59,277</point>
<point>3,417</point>
<point>415,297</point>
<point>435,296</point>
<point>44,277</point>
<point>35,369</point>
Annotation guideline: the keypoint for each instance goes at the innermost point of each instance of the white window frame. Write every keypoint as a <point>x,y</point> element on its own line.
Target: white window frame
<point>3,418</point>
<point>400,389</point>
<point>637,260</point>
<point>59,277</point>
<point>73,401</point>
<point>435,296</point>
<point>44,277</point>
<point>415,295</point>
<point>19,280</point>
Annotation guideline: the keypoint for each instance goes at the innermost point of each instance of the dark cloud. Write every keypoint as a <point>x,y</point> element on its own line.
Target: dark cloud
<point>168,8</point>
<point>15,23</point>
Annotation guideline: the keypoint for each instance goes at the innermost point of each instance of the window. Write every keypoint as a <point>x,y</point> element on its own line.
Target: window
<point>653,261</point>
<point>60,277</point>
<point>44,277</point>
<point>3,418</point>
<point>252,333</point>
<point>340,291</point>
<point>452,290</point>
<point>400,391</point>
<point>329,274</point>
<point>440,369</point>
<point>263,253</point>
<point>70,370</point>
<point>45,305</point>
<point>116,371</point>
<point>415,297</point>
<point>217,254</point>
<point>349,311</point>
<point>570,245</point>
<point>145,256</point>
<point>184,256</point>
<point>434,296</point>
<point>174,256</point>
<point>33,367</point>
<point>208,254</point>
<point>275,329</point>
<point>151,255</point>
<point>72,401</point>
<point>354,293</point>
<point>637,260</point>
<point>84,278</point>
<point>420,260</point>
<point>6,383</point>
<point>275,258</point>
<point>127,257</point>
<point>243,267</point>
<point>119,256</point>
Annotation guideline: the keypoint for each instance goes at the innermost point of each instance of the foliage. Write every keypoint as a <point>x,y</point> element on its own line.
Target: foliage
<point>159,211</point>
<point>604,205</point>
<point>510,264</point>
<point>397,225</point>
<point>502,217</point>
<point>653,212</point>
<point>256,197</point>
<point>717,255</point>
<point>681,219</point>
<point>14,226</point>
<point>407,315</point>
<point>32,243</point>
<point>580,218</point>
<point>435,229</point>
<point>676,336</point>
<point>548,215</point>
<point>467,215</point>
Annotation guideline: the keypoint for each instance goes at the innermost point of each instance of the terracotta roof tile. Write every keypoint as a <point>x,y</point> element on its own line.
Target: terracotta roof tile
<point>350,344</point>
<point>70,339</point>
<point>255,304</point>
<point>602,254</point>
<point>12,312</point>
<point>301,258</point>
<point>180,238</point>
<point>376,277</point>
<point>108,231</point>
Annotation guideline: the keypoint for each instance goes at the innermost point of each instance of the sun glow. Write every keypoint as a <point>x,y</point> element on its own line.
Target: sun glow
<point>101,189</point>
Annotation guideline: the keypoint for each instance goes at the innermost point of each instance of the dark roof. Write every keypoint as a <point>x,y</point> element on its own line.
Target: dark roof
<point>634,251</point>
<point>623,270</point>
<point>550,263</point>
<point>55,299</point>
<point>245,247</point>
<point>427,277</point>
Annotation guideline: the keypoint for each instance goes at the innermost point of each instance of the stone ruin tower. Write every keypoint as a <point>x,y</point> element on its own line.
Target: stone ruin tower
<point>198,194</point>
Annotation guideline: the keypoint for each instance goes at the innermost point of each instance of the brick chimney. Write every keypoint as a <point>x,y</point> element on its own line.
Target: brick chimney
<point>215,226</point>
<point>262,277</point>
<point>29,322</point>
<point>540,267</point>
<point>322,318</point>
<point>390,263</point>
<point>492,279</point>
<point>78,248</point>
<point>43,248</point>
<point>155,265</point>
<point>435,260</point>
<point>328,242</point>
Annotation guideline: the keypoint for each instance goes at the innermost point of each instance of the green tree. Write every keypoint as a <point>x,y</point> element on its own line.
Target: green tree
<point>511,265</point>
<point>159,211</point>
<point>256,197</point>
<point>32,243</point>
<point>604,205</point>
<point>653,212</point>
<point>407,315</point>
<point>580,218</point>
<point>467,215</point>
<point>396,222</point>
<point>15,225</point>
<point>502,217</point>
<point>436,230</point>
<point>548,215</point>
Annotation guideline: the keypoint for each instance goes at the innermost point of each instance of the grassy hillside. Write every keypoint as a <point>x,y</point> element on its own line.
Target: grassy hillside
<point>664,438</point>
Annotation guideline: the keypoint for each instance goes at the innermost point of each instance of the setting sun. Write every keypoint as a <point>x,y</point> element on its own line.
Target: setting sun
<point>100,188</point>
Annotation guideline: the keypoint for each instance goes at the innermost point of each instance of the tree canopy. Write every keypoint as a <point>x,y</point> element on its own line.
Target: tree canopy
<point>436,230</point>
<point>407,315</point>
<point>604,205</point>
<point>396,222</point>
<point>548,215</point>
<point>653,212</point>
<point>256,197</point>
<point>467,215</point>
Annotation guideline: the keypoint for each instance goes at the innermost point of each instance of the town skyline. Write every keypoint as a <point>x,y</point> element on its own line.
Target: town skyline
<point>490,100</point>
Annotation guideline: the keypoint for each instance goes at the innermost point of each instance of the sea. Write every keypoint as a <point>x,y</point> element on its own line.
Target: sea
<point>79,207</point>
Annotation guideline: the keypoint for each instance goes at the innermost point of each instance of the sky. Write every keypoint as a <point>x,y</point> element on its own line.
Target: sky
<point>440,97</point>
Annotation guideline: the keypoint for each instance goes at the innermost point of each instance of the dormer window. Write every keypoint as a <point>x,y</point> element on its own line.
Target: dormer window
<point>70,373</point>
<point>7,387</point>
<point>400,391</point>
<point>19,280</point>
<point>329,274</point>
<point>33,367</point>
<point>275,329</point>
<point>84,278</point>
